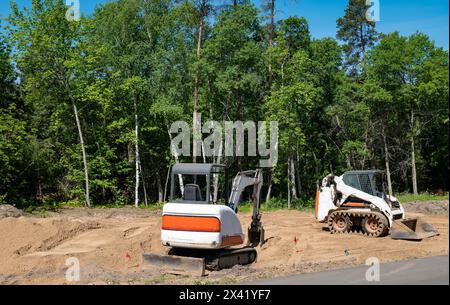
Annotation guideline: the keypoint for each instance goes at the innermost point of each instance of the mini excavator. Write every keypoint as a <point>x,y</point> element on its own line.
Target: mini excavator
<point>200,225</point>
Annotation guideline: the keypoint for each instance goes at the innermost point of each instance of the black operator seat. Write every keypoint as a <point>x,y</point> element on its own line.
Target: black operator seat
<point>192,193</point>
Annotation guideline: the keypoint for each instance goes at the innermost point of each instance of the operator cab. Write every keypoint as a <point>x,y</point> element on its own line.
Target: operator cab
<point>194,184</point>
<point>372,182</point>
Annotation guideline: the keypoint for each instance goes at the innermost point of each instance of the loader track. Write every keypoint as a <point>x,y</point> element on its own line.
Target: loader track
<point>370,223</point>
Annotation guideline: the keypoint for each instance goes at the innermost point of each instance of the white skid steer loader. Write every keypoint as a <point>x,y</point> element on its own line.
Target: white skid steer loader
<point>357,202</point>
<point>200,229</point>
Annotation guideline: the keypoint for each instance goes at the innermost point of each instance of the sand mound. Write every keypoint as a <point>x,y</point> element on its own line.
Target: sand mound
<point>428,207</point>
<point>109,249</point>
<point>9,211</point>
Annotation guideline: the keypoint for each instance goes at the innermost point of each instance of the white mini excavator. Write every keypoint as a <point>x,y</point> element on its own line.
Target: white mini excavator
<point>200,226</point>
<point>357,202</point>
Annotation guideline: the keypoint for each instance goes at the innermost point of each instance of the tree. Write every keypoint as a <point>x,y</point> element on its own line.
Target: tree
<point>202,10</point>
<point>269,7</point>
<point>46,45</point>
<point>148,61</point>
<point>12,129</point>
<point>7,77</point>
<point>233,64</point>
<point>379,102</point>
<point>404,66</point>
<point>86,107</point>
<point>358,34</point>
<point>291,98</point>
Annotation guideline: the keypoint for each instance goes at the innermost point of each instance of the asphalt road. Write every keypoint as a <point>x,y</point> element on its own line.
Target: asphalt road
<point>425,271</point>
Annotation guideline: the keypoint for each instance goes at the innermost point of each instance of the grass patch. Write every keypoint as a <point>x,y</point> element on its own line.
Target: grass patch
<point>54,206</point>
<point>408,198</point>
<point>276,204</point>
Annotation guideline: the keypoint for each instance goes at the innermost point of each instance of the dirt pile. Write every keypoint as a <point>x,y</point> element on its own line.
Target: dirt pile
<point>428,207</point>
<point>122,213</point>
<point>9,211</point>
<point>109,248</point>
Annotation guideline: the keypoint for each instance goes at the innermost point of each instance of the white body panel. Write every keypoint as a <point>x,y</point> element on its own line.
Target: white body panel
<point>230,226</point>
<point>325,204</point>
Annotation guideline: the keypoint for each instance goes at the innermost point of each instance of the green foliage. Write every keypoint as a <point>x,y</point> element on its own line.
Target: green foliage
<point>134,63</point>
<point>279,203</point>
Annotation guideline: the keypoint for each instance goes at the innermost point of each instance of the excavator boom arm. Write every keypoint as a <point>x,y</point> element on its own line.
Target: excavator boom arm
<point>241,182</point>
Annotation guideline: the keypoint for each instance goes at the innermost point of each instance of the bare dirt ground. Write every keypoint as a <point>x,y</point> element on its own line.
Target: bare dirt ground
<point>109,244</point>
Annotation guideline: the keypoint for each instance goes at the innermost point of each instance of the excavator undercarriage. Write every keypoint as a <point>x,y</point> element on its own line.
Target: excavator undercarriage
<point>198,261</point>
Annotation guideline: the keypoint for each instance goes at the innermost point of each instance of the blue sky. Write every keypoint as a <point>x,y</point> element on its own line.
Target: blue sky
<point>405,16</point>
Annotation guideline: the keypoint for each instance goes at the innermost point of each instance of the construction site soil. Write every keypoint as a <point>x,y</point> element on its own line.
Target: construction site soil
<point>109,243</point>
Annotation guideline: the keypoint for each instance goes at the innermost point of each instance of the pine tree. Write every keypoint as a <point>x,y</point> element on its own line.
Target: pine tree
<point>358,34</point>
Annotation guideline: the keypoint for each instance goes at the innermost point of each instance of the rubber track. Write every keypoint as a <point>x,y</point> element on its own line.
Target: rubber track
<point>358,230</point>
<point>228,258</point>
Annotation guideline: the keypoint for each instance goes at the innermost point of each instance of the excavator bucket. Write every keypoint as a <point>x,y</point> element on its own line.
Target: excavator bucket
<point>412,229</point>
<point>255,236</point>
<point>172,264</point>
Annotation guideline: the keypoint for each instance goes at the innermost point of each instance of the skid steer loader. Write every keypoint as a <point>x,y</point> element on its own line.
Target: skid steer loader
<point>357,202</point>
<point>200,226</point>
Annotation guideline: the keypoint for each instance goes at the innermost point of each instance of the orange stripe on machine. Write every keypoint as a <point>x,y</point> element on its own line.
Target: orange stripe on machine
<point>190,223</point>
<point>355,204</point>
<point>316,209</point>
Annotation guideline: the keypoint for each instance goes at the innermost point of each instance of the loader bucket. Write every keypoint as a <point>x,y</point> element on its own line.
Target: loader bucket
<point>412,229</point>
<point>178,265</point>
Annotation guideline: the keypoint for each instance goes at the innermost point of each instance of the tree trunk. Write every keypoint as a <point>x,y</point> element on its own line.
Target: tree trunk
<point>166,185</point>
<point>136,134</point>
<point>349,163</point>
<point>83,149</point>
<point>216,177</point>
<point>413,157</point>
<point>269,188</point>
<point>197,88</point>
<point>297,173</point>
<point>289,183</point>
<point>130,153</point>
<point>144,188</point>
<point>39,190</point>
<point>292,178</point>
<point>203,152</point>
<point>413,164</point>
<point>366,139</point>
<point>271,37</point>
<point>386,160</point>
<point>39,196</point>
<point>177,159</point>
<point>160,189</point>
